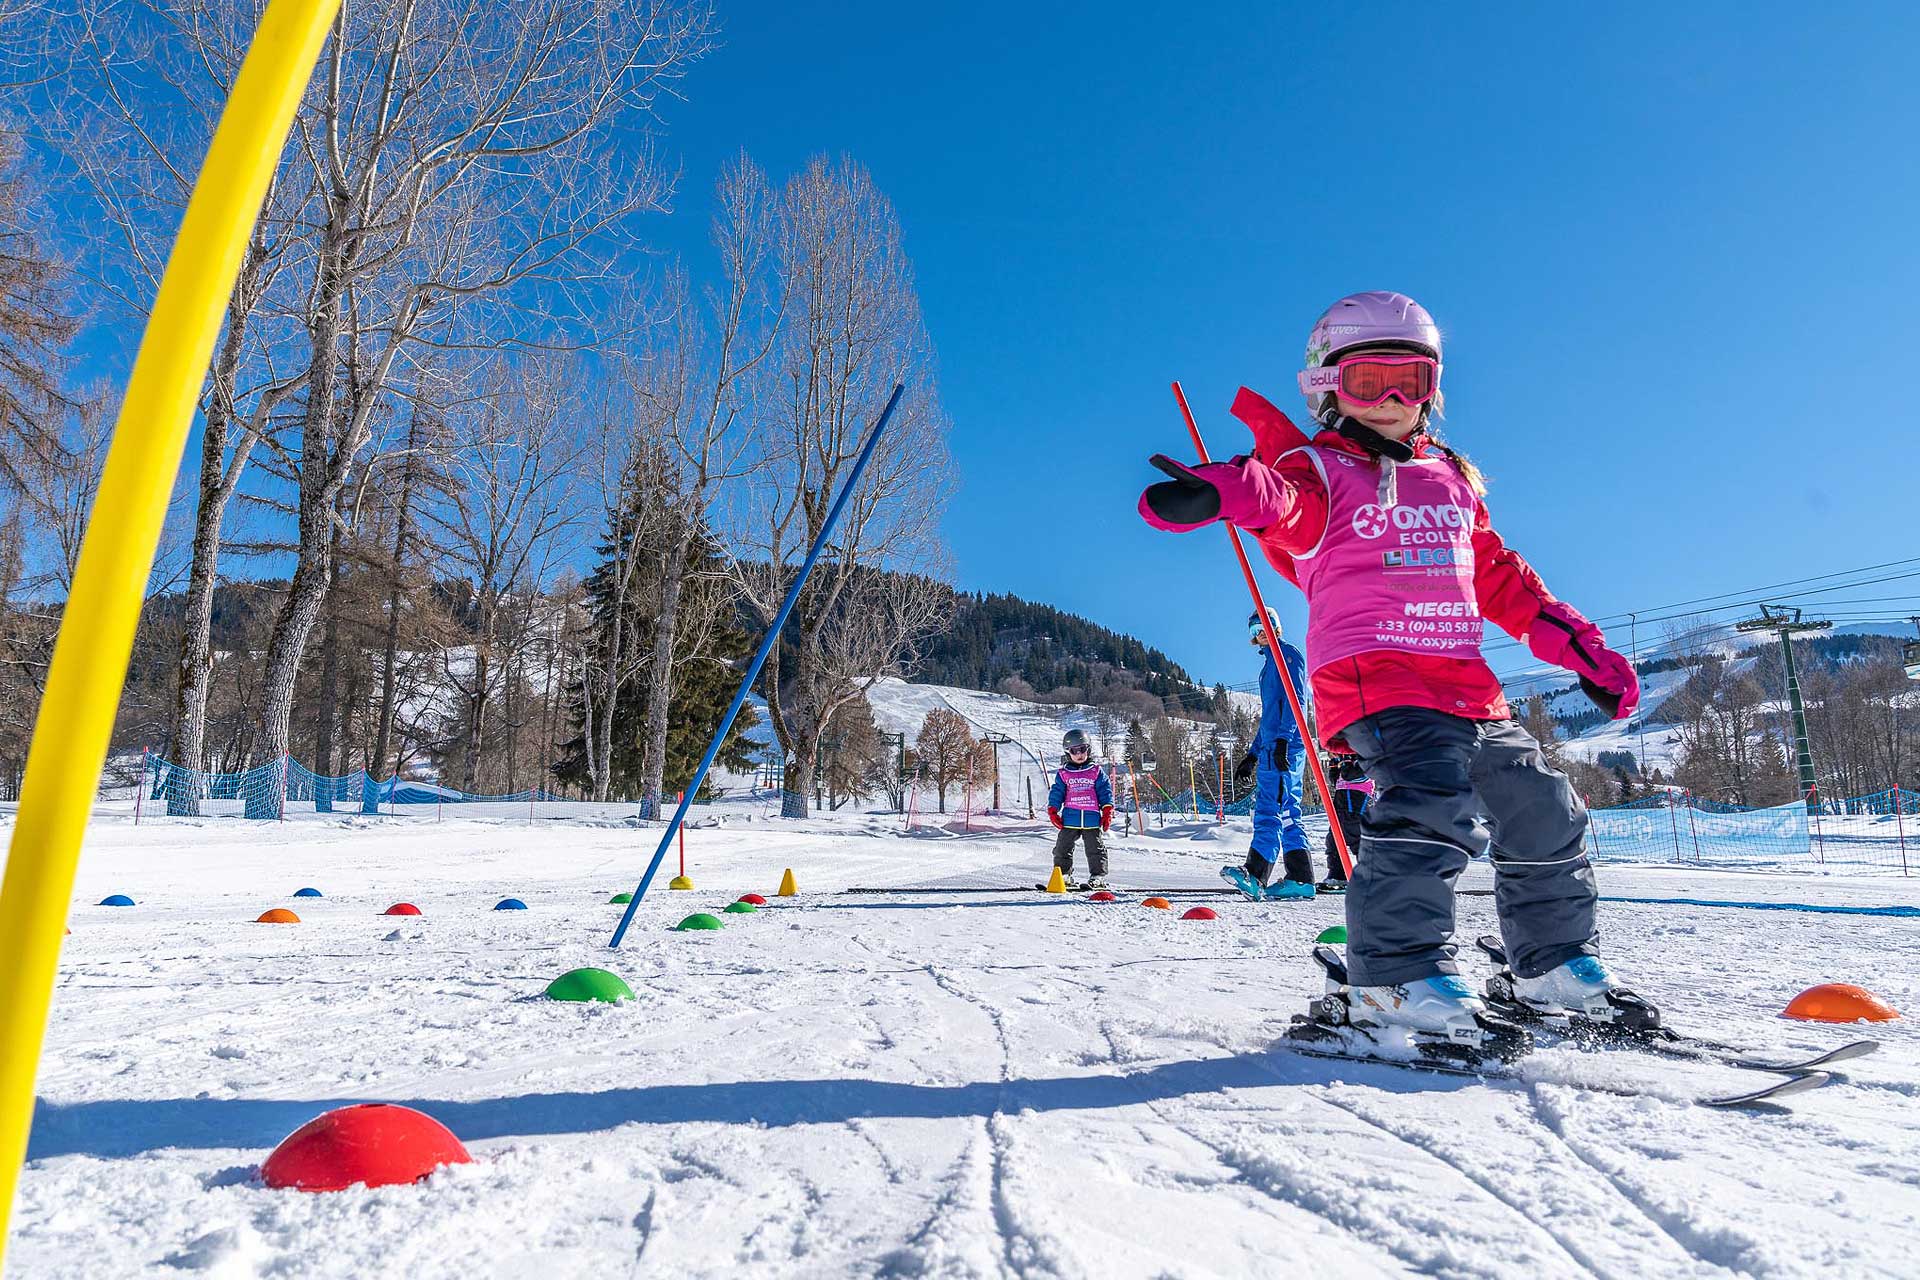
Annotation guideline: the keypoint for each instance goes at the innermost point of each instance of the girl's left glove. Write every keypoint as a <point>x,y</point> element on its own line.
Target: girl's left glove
<point>1106,817</point>
<point>1245,492</point>
<point>1564,638</point>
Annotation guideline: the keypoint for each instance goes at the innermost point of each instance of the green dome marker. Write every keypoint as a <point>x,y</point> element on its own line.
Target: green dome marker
<point>620,899</point>
<point>698,920</point>
<point>589,985</point>
<point>1337,933</point>
<point>741,908</point>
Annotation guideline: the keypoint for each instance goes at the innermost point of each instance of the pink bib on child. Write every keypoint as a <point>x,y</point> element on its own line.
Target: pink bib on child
<point>1394,568</point>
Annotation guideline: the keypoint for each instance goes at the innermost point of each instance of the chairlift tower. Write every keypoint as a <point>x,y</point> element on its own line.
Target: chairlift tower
<point>996,741</point>
<point>1777,621</point>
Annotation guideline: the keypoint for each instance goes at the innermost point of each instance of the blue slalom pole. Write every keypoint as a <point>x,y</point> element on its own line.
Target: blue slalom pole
<point>759,660</point>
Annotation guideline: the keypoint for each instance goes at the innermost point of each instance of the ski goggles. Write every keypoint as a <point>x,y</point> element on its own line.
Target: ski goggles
<point>1081,750</point>
<point>1368,380</point>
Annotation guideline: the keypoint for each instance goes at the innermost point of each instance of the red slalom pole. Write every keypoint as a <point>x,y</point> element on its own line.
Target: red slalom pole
<point>1220,794</point>
<point>1273,645</point>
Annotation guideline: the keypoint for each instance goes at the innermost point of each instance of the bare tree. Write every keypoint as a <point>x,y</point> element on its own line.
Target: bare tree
<point>946,748</point>
<point>697,390</point>
<point>851,329</point>
<point>458,152</point>
<point>510,501</point>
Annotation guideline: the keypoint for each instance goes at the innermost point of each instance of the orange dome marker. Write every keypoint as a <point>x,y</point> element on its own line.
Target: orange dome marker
<point>279,915</point>
<point>1160,903</point>
<point>1839,1002</point>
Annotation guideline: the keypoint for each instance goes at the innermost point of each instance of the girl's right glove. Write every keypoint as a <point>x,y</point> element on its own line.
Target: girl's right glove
<point>1244,492</point>
<point>1564,638</point>
<point>1053,816</point>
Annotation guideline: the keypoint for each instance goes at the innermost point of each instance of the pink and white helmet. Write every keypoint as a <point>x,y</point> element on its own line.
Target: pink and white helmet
<point>1375,318</point>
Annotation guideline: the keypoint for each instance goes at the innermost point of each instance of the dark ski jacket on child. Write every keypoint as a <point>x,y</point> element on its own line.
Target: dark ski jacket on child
<point>1400,565</point>
<point>1280,758</point>
<point>1080,805</point>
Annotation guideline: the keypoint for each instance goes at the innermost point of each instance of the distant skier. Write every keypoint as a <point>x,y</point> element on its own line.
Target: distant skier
<point>1386,530</point>
<point>1352,788</point>
<point>1080,806</point>
<point>1275,763</point>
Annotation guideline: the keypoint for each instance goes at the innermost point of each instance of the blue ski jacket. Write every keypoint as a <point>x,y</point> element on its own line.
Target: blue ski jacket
<point>1276,717</point>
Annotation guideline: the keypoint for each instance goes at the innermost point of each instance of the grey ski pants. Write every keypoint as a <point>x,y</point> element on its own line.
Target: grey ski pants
<point>1096,850</point>
<point>1449,789</point>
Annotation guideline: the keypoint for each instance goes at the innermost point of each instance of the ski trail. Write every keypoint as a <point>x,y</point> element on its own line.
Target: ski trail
<point>1675,1228</point>
<point>1568,1249</point>
<point>1021,1249</point>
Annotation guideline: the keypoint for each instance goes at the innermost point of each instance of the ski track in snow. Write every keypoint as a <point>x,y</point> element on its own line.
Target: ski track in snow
<point>907,1085</point>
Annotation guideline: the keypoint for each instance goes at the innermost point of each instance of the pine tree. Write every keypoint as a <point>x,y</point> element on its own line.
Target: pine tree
<point>706,675</point>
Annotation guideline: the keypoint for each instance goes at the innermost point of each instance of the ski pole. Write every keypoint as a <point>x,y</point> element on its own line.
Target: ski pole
<point>1273,644</point>
<point>759,659</point>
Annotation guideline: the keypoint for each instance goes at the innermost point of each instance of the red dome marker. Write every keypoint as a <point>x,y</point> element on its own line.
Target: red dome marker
<point>401,909</point>
<point>1102,896</point>
<point>1200,913</point>
<point>754,898</point>
<point>376,1144</point>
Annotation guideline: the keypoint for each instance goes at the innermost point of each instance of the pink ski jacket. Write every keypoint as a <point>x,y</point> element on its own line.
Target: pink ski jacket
<point>1452,573</point>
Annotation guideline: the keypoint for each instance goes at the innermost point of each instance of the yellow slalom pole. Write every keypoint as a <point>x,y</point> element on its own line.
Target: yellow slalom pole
<point>96,634</point>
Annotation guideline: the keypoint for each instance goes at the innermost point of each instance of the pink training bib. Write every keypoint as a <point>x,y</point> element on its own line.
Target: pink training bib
<point>1396,576</point>
<point>1080,787</point>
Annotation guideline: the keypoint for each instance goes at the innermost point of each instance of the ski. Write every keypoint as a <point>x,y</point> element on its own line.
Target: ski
<point>1326,1031</point>
<point>1641,1030</point>
<point>1314,1039</point>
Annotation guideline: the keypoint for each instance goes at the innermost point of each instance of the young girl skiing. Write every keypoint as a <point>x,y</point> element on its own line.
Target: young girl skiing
<point>1080,806</point>
<point>1388,533</point>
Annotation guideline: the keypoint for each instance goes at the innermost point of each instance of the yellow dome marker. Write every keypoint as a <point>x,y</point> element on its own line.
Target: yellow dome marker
<point>680,882</point>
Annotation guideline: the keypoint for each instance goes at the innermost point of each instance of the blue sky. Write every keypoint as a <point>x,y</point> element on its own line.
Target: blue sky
<point>1653,236</point>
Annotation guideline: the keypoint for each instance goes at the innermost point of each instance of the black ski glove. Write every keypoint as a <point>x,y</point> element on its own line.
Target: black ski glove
<point>1243,772</point>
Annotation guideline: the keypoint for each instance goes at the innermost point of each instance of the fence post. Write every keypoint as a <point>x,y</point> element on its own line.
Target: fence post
<point>286,768</point>
<point>1900,827</point>
<point>966,821</point>
<point>1813,821</point>
<point>1220,795</point>
<point>1693,827</point>
<point>140,790</point>
<point>1674,824</point>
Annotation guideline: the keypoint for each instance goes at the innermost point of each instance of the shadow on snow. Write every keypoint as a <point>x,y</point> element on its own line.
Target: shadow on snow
<point>129,1127</point>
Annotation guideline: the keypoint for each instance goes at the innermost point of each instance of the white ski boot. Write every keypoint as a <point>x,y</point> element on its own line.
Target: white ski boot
<point>1581,991</point>
<point>1581,987</point>
<point>1441,1005</point>
<point>1435,1020</point>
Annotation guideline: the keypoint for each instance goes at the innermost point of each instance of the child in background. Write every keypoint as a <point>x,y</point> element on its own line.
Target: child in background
<point>1351,791</point>
<point>1080,806</point>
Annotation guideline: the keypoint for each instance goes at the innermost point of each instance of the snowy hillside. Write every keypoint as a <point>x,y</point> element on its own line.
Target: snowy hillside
<point>1035,728</point>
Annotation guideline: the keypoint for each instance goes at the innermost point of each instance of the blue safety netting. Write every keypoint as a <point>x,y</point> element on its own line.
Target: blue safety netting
<point>271,790</point>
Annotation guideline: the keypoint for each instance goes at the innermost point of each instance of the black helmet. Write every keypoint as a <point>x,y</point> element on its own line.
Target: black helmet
<point>1076,739</point>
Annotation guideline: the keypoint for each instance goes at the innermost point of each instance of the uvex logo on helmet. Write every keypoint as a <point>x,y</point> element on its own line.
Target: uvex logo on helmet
<point>1370,520</point>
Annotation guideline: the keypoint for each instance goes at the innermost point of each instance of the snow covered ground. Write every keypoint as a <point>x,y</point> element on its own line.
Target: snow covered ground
<point>905,1084</point>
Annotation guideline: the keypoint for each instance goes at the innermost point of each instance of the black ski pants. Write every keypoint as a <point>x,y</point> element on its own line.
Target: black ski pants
<point>1348,816</point>
<point>1096,851</point>
<point>1450,789</point>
